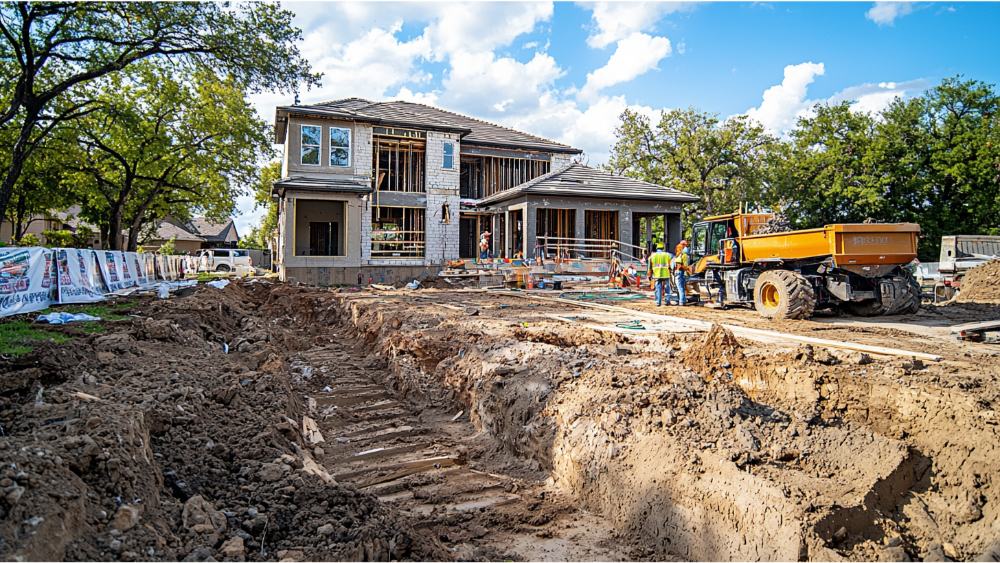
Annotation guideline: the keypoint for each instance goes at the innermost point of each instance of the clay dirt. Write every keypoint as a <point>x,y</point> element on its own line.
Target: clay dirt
<point>270,421</point>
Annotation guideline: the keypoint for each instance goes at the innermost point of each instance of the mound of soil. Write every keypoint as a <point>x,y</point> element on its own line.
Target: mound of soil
<point>982,283</point>
<point>174,436</point>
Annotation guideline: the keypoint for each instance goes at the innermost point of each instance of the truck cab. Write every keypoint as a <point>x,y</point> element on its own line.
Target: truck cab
<point>715,240</point>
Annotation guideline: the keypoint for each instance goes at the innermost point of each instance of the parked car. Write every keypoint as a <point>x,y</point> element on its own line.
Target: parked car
<point>222,259</point>
<point>927,275</point>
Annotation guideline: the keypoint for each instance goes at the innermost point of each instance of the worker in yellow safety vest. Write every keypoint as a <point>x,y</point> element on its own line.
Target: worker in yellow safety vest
<point>659,266</point>
<point>681,266</point>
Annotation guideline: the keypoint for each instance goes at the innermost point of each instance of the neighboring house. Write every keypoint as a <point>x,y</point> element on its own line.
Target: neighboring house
<point>393,190</point>
<point>191,236</point>
<point>53,221</point>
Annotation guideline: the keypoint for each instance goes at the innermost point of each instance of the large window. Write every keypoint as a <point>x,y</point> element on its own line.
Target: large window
<point>483,176</point>
<point>320,227</point>
<point>312,136</point>
<point>340,146</point>
<point>449,156</point>
<point>397,232</point>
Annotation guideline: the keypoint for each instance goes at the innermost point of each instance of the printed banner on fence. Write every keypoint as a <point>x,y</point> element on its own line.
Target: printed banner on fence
<point>27,280</point>
<point>111,269</point>
<point>80,279</point>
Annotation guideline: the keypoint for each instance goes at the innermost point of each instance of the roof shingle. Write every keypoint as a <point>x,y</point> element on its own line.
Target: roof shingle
<point>577,180</point>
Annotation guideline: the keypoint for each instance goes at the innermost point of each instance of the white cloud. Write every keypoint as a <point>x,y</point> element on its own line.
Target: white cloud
<point>635,55</point>
<point>478,82</point>
<point>482,27</point>
<point>873,98</point>
<point>782,104</point>
<point>617,20</point>
<point>885,13</point>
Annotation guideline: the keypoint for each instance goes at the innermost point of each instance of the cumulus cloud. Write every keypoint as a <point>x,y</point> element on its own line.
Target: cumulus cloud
<point>615,21</point>
<point>481,27</point>
<point>486,85</point>
<point>782,104</point>
<point>635,55</point>
<point>885,13</point>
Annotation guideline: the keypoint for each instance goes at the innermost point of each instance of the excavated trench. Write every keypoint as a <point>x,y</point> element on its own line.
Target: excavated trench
<point>697,446</point>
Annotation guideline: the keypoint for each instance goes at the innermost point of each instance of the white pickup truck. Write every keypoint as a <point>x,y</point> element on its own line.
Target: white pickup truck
<point>222,259</point>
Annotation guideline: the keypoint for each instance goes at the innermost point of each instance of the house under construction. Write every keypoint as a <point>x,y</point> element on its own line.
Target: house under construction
<point>392,190</point>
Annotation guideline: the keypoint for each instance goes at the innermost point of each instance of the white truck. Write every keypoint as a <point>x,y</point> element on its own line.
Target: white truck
<point>959,254</point>
<point>223,259</point>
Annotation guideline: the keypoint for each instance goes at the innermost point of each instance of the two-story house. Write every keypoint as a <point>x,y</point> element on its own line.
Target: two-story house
<point>392,190</point>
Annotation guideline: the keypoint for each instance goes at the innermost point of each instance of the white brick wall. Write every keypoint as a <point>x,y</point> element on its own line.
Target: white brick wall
<point>442,188</point>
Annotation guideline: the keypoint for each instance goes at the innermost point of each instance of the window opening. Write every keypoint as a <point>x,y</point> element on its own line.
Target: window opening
<point>311,139</point>
<point>398,165</point>
<point>449,156</point>
<point>398,232</point>
<point>340,146</point>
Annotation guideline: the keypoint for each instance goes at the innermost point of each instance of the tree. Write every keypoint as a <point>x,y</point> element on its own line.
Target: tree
<point>268,226</point>
<point>725,162</point>
<point>168,247</point>
<point>831,174</point>
<point>48,50</point>
<point>158,146</point>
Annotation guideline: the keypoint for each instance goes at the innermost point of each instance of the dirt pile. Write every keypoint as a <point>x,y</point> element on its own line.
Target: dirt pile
<point>777,224</point>
<point>981,283</point>
<point>784,453</point>
<point>175,435</point>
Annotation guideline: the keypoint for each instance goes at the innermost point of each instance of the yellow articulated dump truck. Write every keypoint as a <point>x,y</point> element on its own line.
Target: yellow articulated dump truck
<point>787,275</point>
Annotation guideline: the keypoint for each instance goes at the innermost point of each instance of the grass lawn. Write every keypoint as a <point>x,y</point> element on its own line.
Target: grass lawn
<point>15,337</point>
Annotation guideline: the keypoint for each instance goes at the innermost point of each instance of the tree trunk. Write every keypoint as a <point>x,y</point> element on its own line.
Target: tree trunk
<point>115,228</point>
<point>18,155</point>
<point>133,232</point>
<point>19,217</point>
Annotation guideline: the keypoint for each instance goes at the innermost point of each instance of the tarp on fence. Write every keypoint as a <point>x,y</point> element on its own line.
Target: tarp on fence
<point>33,278</point>
<point>27,280</point>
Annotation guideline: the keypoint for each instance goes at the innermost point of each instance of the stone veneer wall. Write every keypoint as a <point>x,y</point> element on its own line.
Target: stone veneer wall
<point>442,188</point>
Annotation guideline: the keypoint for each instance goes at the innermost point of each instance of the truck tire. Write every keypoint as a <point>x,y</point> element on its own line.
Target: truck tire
<point>866,308</point>
<point>222,268</point>
<point>908,302</point>
<point>783,294</point>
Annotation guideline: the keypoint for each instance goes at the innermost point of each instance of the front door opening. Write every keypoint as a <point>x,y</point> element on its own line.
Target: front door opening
<point>320,227</point>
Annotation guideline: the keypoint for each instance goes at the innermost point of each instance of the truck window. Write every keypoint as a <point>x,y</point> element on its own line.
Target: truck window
<point>718,233</point>
<point>698,241</point>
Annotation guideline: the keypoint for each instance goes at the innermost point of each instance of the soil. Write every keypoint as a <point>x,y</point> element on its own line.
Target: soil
<point>981,283</point>
<point>270,422</point>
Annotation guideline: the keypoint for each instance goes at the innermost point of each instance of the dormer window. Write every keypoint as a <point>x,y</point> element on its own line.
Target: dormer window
<point>340,146</point>
<point>312,136</point>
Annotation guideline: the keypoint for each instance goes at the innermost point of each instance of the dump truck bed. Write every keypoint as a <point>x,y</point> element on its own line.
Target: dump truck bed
<point>848,244</point>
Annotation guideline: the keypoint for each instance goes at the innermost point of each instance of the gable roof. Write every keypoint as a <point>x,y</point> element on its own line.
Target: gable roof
<point>577,180</point>
<point>420,116</point>
<point>196,229</point>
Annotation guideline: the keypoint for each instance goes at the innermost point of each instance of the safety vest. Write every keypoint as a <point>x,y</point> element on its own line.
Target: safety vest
<point>659,262</point>
<point>680,263</point>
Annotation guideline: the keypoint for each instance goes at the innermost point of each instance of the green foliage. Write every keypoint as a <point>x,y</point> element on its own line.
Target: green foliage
<point>29,240</point>
<point>931,160</point>
<point>58,239</point>
<point>168,248</point>
<point>723,162</point>
<point>51,54</point>
<point>265,231</point>
<point>161,147</point>
<point>82,237</point>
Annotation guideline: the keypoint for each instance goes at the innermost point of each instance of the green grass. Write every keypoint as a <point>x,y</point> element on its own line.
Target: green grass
<point>92,327</point>
<point>15,338</point>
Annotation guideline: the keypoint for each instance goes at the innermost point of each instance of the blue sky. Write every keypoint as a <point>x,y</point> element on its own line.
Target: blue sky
<point>565,70</point>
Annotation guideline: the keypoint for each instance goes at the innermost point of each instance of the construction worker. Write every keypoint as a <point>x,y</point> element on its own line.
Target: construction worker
<point>659,267</point>
<point>682,268</point>
<point>680,247</point>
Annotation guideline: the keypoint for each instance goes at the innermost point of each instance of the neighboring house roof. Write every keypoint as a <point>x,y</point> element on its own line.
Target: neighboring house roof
<point>165,230</point>
<point>420,116</point>
<point>577,180</point>
<point>329,184</point>
<point>210,230</point>
<point>198,229</point>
